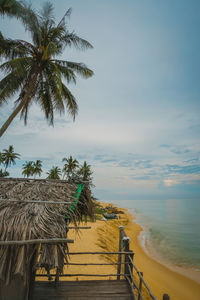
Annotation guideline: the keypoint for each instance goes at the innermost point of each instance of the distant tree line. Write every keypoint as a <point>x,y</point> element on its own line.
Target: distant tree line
<point>72,170</point>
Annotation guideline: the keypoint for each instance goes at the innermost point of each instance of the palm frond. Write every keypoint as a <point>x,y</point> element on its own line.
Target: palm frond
<point>70,102</point>
<point>19,65</point>
<point>53,78</point>
<point>13,48</point>
<point>45,101</point>
<point>31,22</point>
<point>66,15</point>
<point>71,39</point>
<point>9,85</point>
<point>67,73</point>
<point>11,8</point>
<point>80,68</point>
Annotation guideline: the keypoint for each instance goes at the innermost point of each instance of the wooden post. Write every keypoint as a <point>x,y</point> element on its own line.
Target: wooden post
<point>166,297</point>
<point>140,286</point>
<point>126,249</point>
<point>121,228</point>
<point>57,276</point>
<point>131,255</point>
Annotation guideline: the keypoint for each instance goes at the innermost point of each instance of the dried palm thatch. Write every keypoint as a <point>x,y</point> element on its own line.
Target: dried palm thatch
<point>21,220</point>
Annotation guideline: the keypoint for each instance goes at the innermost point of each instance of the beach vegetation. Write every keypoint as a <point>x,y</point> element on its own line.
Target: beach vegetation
<point>4,173</point>
<point>54,173</point>
<point>27,169</point>
<point>34,71</point>
<point>69,167</point>
<point>31,168</point>
<point>8,157</point>
<point>37,168</point>
<point>85,173</point>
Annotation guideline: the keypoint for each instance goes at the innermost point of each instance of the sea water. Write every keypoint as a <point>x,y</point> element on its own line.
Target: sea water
<point>171,227</point>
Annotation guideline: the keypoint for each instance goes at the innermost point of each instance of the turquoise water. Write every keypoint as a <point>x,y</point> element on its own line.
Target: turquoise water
<point>172,227</point>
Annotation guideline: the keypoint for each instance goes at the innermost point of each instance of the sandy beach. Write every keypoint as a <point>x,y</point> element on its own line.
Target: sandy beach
<point>105,234</point>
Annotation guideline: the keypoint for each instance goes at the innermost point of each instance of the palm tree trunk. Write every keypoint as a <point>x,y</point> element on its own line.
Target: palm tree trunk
<point>10,119</point>
<point>27,91</point>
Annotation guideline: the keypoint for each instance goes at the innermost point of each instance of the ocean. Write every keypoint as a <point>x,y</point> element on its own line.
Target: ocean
<point>171,228</point>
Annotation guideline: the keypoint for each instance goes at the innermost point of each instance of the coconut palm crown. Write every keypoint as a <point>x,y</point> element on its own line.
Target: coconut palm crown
<point>8,157</point>
<point>54,173</point>
<point>69,167</point>
<point>28,169</point>
<point>33,70</point>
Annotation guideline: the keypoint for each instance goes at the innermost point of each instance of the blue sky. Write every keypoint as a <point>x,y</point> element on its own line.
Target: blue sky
<point>138,123</point>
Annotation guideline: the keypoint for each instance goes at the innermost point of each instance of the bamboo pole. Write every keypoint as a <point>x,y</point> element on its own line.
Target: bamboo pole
<point>36,241</point>
<point>79,227</point>
<point>36,201</point>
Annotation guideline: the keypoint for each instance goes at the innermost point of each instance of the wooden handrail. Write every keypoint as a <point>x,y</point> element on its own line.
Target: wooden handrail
<point>93,264</point>
<point>141,277</point>
<point>80,253</point>
<point>71,275</point>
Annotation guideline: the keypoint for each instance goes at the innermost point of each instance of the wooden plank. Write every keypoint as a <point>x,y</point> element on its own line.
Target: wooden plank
<point>102,289</point>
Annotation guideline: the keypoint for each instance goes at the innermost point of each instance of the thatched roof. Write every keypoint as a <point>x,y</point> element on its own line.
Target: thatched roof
<point>21,220</point>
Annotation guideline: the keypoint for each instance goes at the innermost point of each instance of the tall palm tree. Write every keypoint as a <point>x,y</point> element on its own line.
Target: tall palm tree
<point>69,167</point>
<point>85,172</point>
<point>54,173</point>
<point>34,72</point>
<point>28,169</point>
<point>37,168</point>
<point>9,157</point>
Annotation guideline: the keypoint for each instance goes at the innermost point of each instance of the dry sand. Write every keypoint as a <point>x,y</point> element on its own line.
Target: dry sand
<point>160,278</point>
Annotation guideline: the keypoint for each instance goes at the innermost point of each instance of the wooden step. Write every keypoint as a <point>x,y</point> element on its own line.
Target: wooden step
<point>82,290</point>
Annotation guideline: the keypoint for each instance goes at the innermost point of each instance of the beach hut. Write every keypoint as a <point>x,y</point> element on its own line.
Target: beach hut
<point>32,211</point>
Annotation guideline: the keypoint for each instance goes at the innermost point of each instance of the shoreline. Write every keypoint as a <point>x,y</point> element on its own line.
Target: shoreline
<point>149,249</point>
<point>161,278</point>
<point>103,236</point>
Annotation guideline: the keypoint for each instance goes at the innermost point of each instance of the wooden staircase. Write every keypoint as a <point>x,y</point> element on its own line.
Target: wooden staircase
<point>82,290</point>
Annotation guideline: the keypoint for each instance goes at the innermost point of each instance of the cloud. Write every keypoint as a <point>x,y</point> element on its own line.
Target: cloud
<point>170,182</point>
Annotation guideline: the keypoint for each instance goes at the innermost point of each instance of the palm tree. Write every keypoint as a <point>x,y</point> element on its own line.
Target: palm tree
<point>9,157</point>
<point>1,158</point>
<point>3,173</point>
<point>85,172</point>
<point>37,168</point>
<point>69,167</point>
<point>28,169</point>
<point>54,173</point>
<point>34,71</point>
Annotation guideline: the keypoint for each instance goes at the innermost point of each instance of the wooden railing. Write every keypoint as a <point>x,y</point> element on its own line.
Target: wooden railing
<point>126,269</point>
<point>136,284</point>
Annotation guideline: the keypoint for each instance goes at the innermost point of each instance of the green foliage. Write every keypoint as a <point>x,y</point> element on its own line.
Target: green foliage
<point>33,71</point>
<point>69,167</point>
<point>4,173</point>
<point>11,8</point>
<point>28,169</point>
<point>31,168</point>
<point>8,157</point>
<point>85,173</point>
<point>54,173</point>
<point>37,168</point>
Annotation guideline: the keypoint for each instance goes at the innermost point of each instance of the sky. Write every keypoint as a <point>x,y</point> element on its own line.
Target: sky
<point>138,124</point>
